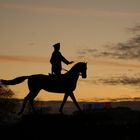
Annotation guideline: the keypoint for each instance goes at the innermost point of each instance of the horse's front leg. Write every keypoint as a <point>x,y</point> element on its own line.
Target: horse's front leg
<point>75,102</point>
<point>32,105</point>
<point>63,102</point>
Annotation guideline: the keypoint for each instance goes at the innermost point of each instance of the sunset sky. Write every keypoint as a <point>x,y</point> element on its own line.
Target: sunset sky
<point>104,33</point>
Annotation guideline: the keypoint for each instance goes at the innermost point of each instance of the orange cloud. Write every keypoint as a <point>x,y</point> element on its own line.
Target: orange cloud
<point>34,59</point>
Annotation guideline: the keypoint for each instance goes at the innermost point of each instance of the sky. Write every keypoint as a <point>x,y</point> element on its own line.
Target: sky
<point>106,34</point>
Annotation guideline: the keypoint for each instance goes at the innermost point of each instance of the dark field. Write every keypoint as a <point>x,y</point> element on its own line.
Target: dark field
<point>120,123</point>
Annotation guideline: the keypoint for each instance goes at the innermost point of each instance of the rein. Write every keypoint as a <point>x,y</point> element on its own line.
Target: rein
<point>67,71</point>
<point>64,69</point>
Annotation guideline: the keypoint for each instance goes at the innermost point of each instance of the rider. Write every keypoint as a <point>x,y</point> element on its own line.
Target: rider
<point>56,60</point>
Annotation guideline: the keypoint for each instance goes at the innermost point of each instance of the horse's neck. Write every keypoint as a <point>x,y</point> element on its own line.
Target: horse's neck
<point>73,73</point>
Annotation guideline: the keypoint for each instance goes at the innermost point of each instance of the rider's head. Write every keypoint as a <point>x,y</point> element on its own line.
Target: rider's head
<point>57,46</point>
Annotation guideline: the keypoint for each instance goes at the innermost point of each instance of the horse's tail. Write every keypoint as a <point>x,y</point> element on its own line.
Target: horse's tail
<point>14,81</point>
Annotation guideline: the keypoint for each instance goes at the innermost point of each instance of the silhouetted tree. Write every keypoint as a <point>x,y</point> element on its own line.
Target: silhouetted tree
<point>6,92</point>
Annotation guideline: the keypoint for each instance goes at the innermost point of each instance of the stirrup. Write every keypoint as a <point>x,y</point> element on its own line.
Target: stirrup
<point>1,82</point>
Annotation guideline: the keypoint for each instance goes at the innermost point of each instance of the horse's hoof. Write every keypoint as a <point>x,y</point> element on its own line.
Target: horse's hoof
<point>61,112</point>
<point>19,113</point>
<point>36,113</point>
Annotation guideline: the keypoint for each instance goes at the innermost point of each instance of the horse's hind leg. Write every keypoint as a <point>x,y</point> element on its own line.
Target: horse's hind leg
<point>29,97</point>
<point>23,105</point>
<point>33,94</point>
<point>63,102</point>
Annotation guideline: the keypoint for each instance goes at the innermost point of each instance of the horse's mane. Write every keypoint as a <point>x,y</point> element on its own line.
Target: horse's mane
<point>75,67</point>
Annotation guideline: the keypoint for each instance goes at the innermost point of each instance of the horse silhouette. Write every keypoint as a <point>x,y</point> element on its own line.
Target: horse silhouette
<point>64,83</point>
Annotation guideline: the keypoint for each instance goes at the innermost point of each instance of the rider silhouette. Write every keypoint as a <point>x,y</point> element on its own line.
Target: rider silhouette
<point>56,60</point>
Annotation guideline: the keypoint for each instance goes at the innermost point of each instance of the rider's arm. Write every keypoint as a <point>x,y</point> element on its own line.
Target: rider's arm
<point>65,60</point>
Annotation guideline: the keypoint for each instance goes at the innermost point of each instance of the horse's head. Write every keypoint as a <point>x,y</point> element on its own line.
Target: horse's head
<point>83,69</point>
<point>80,68</point>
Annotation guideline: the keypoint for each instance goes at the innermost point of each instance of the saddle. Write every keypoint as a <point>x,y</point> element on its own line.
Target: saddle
<point>56,76</point>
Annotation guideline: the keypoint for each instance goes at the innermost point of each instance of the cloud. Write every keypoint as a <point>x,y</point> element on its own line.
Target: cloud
<point>134,29</point>
<point>122,80</point>
<point>129,49</point>
<point>84,52</point>
<point>116,80</point>
<point>33,59</point>
<point>124,50</point>
<point>31,44</point>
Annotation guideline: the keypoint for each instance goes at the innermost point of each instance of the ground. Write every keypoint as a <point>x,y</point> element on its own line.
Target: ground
<point>117,123</point>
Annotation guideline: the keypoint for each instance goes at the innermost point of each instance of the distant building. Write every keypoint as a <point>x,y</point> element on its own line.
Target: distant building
<point>96,105</point>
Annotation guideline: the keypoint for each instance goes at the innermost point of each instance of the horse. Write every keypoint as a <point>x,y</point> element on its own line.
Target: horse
<point>65,83</point>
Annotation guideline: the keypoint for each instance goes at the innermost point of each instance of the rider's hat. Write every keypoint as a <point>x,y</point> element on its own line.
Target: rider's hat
<point>56,45</point>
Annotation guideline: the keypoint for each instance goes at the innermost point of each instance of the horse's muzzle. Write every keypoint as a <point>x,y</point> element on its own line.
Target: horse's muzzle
<point>84,76</point>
